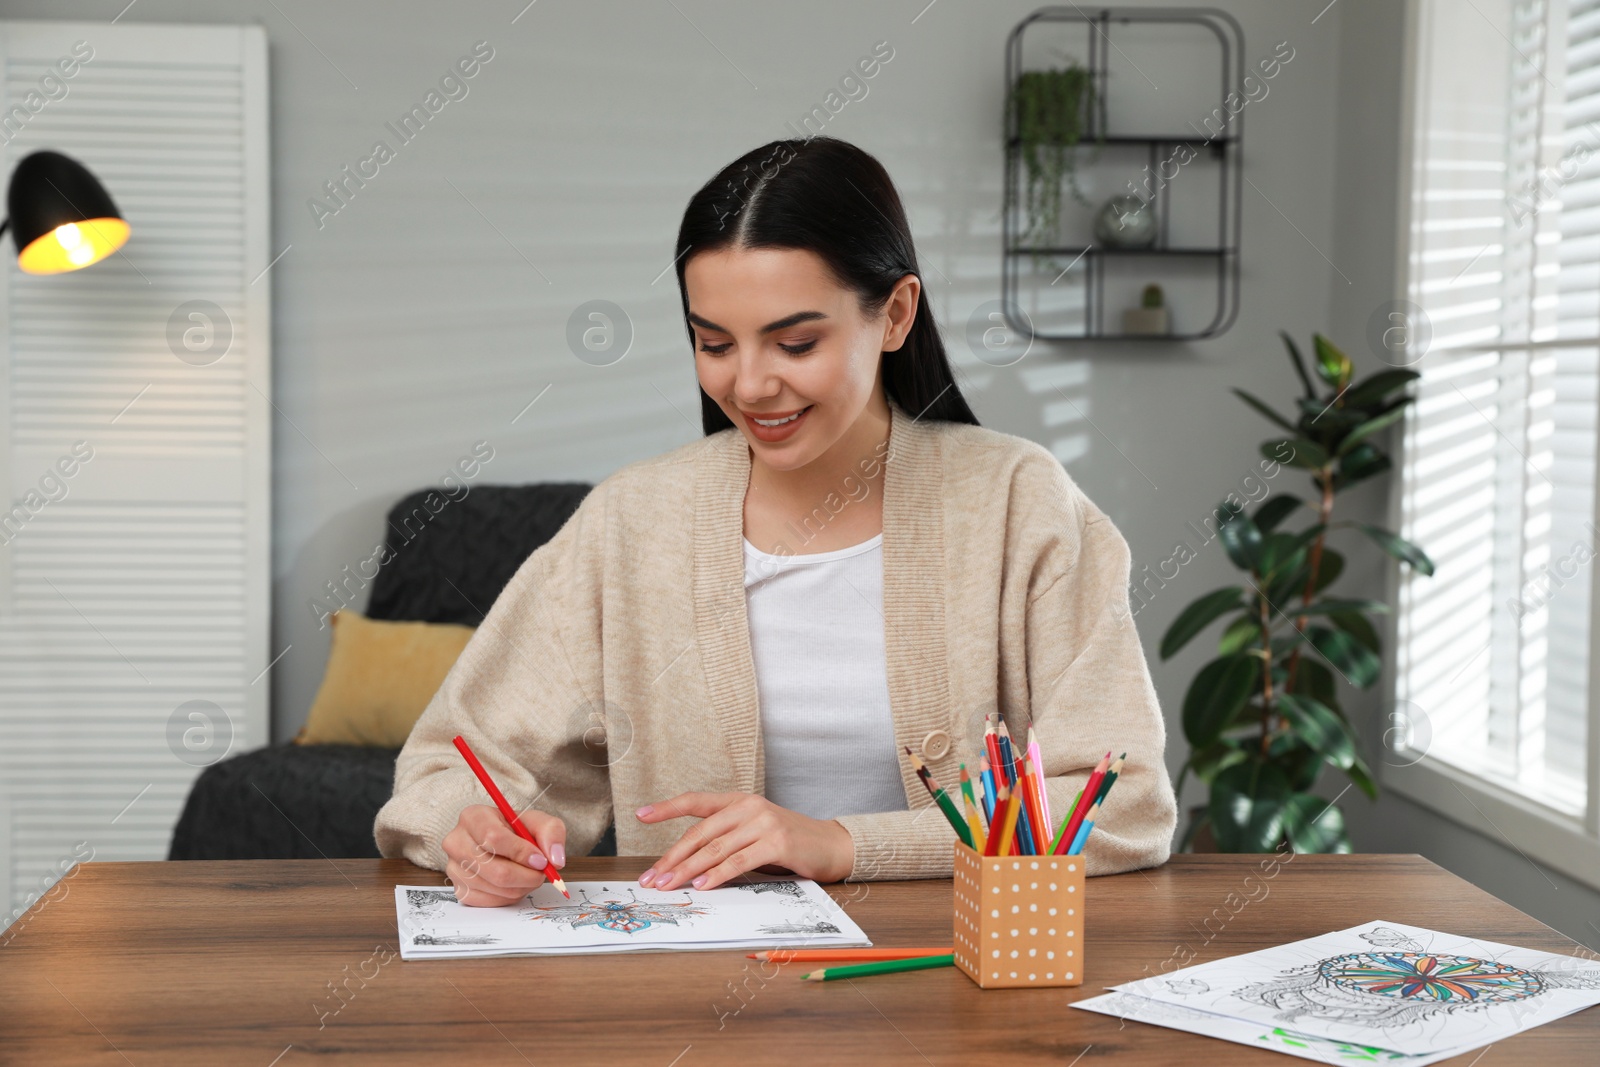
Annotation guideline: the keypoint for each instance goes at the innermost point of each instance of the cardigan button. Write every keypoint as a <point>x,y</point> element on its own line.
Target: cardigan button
<point>936,745</point>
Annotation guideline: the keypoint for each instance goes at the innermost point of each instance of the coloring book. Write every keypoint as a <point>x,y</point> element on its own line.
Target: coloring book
<point>1381,992</point>
<point>621,917</point>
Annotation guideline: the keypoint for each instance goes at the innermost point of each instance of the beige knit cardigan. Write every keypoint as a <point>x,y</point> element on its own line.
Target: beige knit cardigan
<point>615,669</point>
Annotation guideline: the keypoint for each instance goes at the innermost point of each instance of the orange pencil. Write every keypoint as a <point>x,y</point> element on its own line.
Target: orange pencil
<point>1030,796</point>
<point>806,955</point>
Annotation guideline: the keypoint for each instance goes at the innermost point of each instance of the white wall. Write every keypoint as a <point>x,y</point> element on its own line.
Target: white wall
<point>427,313</point>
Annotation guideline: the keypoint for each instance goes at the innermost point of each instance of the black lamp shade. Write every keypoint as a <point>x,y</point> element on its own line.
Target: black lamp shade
<point>61,216</point>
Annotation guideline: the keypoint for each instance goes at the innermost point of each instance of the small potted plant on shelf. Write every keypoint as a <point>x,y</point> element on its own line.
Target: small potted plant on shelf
<point>1263,718</point>
<point>1150,318</point>
<point>1051,110</point>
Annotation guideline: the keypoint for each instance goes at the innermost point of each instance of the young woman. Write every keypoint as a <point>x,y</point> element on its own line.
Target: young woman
<point>726,649</point>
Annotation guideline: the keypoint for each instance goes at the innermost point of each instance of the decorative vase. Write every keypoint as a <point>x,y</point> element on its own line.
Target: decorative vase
<point>1145,322</point>
<point>1125,222</point>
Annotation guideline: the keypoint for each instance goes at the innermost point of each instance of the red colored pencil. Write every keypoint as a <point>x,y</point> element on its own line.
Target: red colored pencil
<point>509,815</point>
<point>1091,788</point>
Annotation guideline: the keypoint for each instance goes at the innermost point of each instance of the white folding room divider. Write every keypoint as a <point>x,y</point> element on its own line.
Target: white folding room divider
<point>134,444</point>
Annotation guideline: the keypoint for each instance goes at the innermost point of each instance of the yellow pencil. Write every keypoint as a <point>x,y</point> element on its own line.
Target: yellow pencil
<point>1008,825</point>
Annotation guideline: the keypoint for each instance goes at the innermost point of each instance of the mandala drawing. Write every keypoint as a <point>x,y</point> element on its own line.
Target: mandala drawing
<point>1397,988</point>
<point>788,889</point>
<point>1383,937</point>
<point>623,917</point>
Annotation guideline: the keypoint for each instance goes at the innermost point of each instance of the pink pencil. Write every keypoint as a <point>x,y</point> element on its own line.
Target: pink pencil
<point>1038,770</point>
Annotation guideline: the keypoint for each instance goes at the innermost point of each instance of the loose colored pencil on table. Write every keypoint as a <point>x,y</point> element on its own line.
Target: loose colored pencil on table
<point>861,970</point>
<point>506,811</point>
<point>941,798</point>
<point>845,955</point>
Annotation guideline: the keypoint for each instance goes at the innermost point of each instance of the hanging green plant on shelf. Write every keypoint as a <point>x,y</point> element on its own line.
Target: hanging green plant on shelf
<point>1051,111</point>
<point>1263,719</point>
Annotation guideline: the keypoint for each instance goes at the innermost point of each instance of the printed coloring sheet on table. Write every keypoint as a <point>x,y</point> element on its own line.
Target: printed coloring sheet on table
<point>1386,985</point>
<point>621,917</point>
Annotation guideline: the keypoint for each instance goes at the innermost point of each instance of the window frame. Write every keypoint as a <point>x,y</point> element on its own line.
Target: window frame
<point>1566,843</point>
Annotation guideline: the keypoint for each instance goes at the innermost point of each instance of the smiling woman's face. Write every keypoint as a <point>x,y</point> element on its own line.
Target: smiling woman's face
<point>776,335</point>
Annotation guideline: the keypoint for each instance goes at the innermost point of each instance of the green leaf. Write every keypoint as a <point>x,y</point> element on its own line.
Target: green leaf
<point>1360,463</point>
<point>1215,758</point>
<point>1318,416</point>
<point>1328,569</point>
<point>1292,581</point>
<point>1215,696</point>
<point>1240,634</point>
<point>1298,362</point>
<point>1289,553</point>
<point>1349,657</point>
<point>1400,548</point>
<point>1241,538</point>
<point>1361,775</point>
<point>1275,510</point>
<point>1323,731</point>
<point>1373,389</point>
<point>1332,606</point>
<point>1333,366</point>
<point>1359,627</point>
<point>1265,410</point>
<point>1314,679</point>
<point>1307,455</point>
<point>1367,429</point>
<point>1246,807</point>
<point>1313,825</point>
<point>1198,615</point>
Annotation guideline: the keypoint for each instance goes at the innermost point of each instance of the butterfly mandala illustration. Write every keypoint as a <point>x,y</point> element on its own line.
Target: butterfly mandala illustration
<point>622,916</point>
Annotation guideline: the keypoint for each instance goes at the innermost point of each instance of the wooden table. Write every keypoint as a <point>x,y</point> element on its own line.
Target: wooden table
<point>235,962</point>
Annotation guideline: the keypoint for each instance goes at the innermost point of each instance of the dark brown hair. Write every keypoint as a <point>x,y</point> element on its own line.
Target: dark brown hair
<point>832,198</point>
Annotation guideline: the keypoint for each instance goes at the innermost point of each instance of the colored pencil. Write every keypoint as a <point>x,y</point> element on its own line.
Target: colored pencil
<point>969,805</point>
<point>991,745</point>
<point>1030,799</point>
<point>509,815</point>
<point>941,798</point>
<point>1083,831</point>
<point>1013,777</point>
<point>1091,789</point>
<point>1038,769</point>
<point>844,955</point>
<point>1111,776</point>
<point>1008,824</point>
<point>861,970</point>
<point>989,789</point>
<point>1062,829</point>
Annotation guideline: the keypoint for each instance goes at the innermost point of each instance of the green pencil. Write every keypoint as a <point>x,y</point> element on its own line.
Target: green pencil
<point>941,798</point>
<point>859,970</point>
<point>1062,829</point>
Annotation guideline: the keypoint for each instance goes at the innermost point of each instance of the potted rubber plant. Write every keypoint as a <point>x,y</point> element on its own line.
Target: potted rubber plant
<point>1263,718</point>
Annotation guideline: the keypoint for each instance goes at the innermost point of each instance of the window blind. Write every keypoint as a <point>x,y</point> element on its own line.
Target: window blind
<point>1497,481</point>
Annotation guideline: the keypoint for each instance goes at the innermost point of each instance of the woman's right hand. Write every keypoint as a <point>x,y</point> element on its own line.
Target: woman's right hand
<point>490,865</point>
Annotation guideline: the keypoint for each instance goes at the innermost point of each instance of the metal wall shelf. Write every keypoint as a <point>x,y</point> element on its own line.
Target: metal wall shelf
<point>1225,150</point>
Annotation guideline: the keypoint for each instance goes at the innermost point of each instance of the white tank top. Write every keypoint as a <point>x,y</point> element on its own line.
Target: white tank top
<point>816,633</point>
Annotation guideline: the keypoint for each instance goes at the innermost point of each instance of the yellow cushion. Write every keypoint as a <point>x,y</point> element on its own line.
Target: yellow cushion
<point>379,679</point>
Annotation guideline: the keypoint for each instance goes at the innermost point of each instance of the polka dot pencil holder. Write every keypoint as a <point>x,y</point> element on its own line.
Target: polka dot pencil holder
<point>1018,919</point>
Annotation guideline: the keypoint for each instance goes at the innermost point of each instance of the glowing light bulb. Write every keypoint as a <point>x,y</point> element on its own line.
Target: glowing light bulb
<point>69,236</point>
<point>81,255</point>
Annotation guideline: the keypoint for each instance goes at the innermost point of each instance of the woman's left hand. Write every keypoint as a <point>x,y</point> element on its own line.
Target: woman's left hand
<point>740,832</point>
